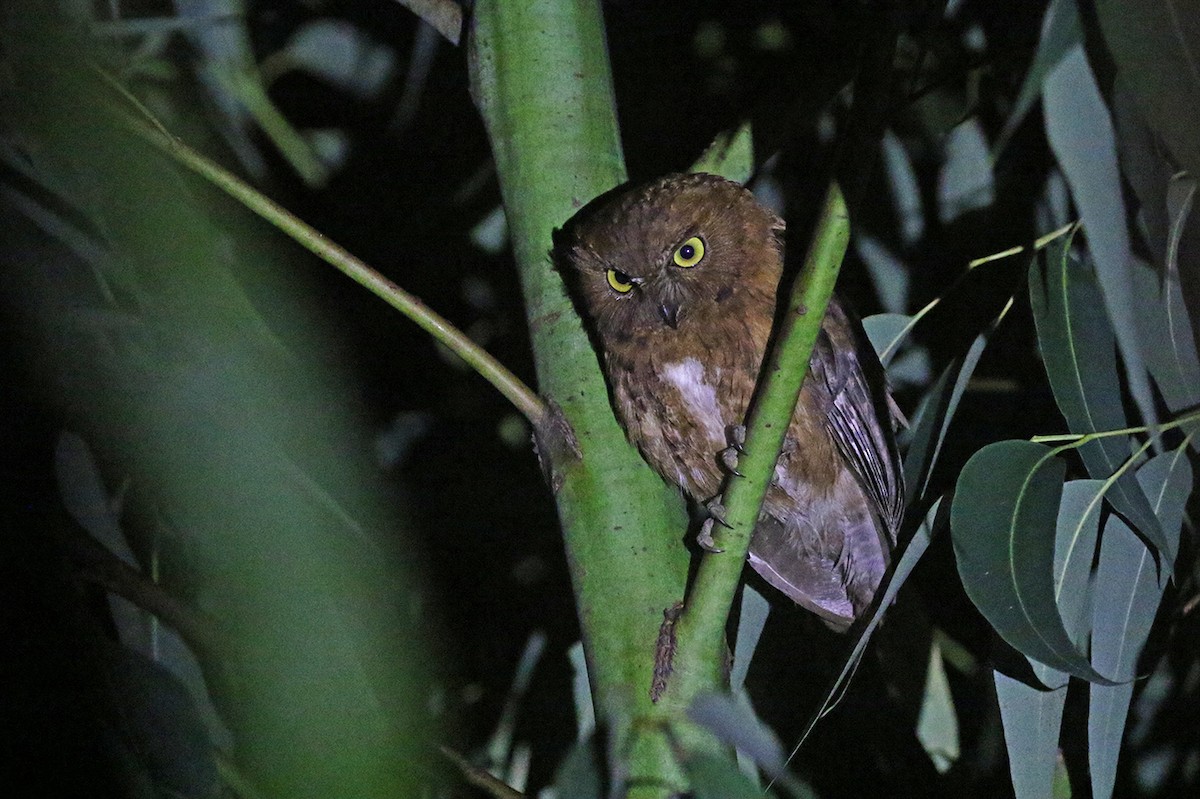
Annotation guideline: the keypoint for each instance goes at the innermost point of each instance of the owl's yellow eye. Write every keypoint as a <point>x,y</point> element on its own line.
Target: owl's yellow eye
<point>619,282</point>
<point>689,253</point>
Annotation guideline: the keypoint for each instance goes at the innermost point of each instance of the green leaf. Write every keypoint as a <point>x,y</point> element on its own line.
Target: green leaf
<point>1031,714</point>
<point>1081,135</point>
<point>1162,313</point>
<point>937,724</point>
<point>581,691</point>
<point>1061,32</point>
<point>753,617</point>
<point>1156,47</point>
<point>1032,718</point>
<point>1079,351</point>
<point>1128,593</point>
<point>1001,525</point>
<point>904,188</point>
<point>159,723</point>
<point>713,777</point>
<point>1167,479</point>
<point>499,747</point>
<point>731,155</point>
<point>932,421</point>
<point>1076,532</point>
<point>579,773</point>
<point>886,332</point>
<point>890,275</point>
<point>736,724</point>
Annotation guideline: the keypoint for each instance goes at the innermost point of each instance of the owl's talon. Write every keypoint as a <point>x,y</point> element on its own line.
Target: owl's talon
<point>729,459</point>
<point>705,538</point>
<point>735,436</point>
<point>717,511</point>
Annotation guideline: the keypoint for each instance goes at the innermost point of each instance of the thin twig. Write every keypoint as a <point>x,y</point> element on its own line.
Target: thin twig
<point>700,633</point>
<point>508,384</point>
<point>480,778</point>
<point>97,564</point>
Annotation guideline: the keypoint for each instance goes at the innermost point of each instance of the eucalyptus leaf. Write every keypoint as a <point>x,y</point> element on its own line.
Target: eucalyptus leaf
<point>579,773</point>
<point>965,181</point>
<point>1127,597</point>
<point>712,777</point>
<point>889,273</point>
<point>904,187</point>
<point>731,155</point>
<point>1032,718</point>
<point>1184,391</point>
<point>1156,47</point>
<point>160,724</point>
<point>1061,32</point>
<point>1081,136</point>
<point>1076,533</point>
<point>1001,523</point>
<point>1168,480</point>
<point>887,332</point>
<point>581,691</point>
<point>937,724</point>
<point>736,724</point>
<point>1128,593</point>
<point>1145,165</point>
<point>343,54</point>
<point>753,617</point>
<point>84,495</point>
<point>929,427</point>
<point>1165,319</point>
<point>1079,351</point>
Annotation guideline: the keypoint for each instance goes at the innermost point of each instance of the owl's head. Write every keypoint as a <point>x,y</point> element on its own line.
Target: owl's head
<point>671,259</point>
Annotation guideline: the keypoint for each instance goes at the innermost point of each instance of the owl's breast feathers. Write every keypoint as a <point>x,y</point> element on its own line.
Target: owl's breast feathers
<point>676,413</point>
<point>833,510</point>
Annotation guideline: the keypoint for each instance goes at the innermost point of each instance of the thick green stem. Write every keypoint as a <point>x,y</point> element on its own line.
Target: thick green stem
<point>540,77</point>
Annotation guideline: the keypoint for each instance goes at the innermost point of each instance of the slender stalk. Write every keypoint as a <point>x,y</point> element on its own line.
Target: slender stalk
<point>700,636</point>
<point>1079,439</point>
<point>337,256</point>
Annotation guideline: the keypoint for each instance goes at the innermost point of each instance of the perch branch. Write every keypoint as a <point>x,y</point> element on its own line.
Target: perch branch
<point>701,630</point>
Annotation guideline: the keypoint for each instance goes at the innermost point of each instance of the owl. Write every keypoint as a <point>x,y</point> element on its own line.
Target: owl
<point>677,281</point>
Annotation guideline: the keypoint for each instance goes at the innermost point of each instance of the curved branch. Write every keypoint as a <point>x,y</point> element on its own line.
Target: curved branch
<point>700,635</point>
<point>508,384</point>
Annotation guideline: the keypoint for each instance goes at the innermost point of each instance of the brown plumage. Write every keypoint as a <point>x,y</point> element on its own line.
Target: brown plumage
<point>677,280</point>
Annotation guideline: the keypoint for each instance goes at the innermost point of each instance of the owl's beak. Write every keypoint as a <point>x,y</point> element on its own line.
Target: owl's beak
<point>670,314</point>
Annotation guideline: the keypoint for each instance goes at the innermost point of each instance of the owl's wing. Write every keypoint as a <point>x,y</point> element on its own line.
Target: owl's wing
<point>860,415</point>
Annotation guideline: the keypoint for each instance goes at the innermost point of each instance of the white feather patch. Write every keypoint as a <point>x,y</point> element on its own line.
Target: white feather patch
<point>689,378</point>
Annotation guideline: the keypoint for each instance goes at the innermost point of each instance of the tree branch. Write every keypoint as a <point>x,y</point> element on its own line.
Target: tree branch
<point>508,384</point>
<point>700,634</point>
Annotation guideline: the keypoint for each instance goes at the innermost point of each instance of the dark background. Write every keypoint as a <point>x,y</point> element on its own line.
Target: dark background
<point>406,200</point>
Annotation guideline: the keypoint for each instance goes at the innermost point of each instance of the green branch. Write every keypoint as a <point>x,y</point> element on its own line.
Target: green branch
<point>337,256</point>
<point>541,80</point>
<point>700,634</point>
